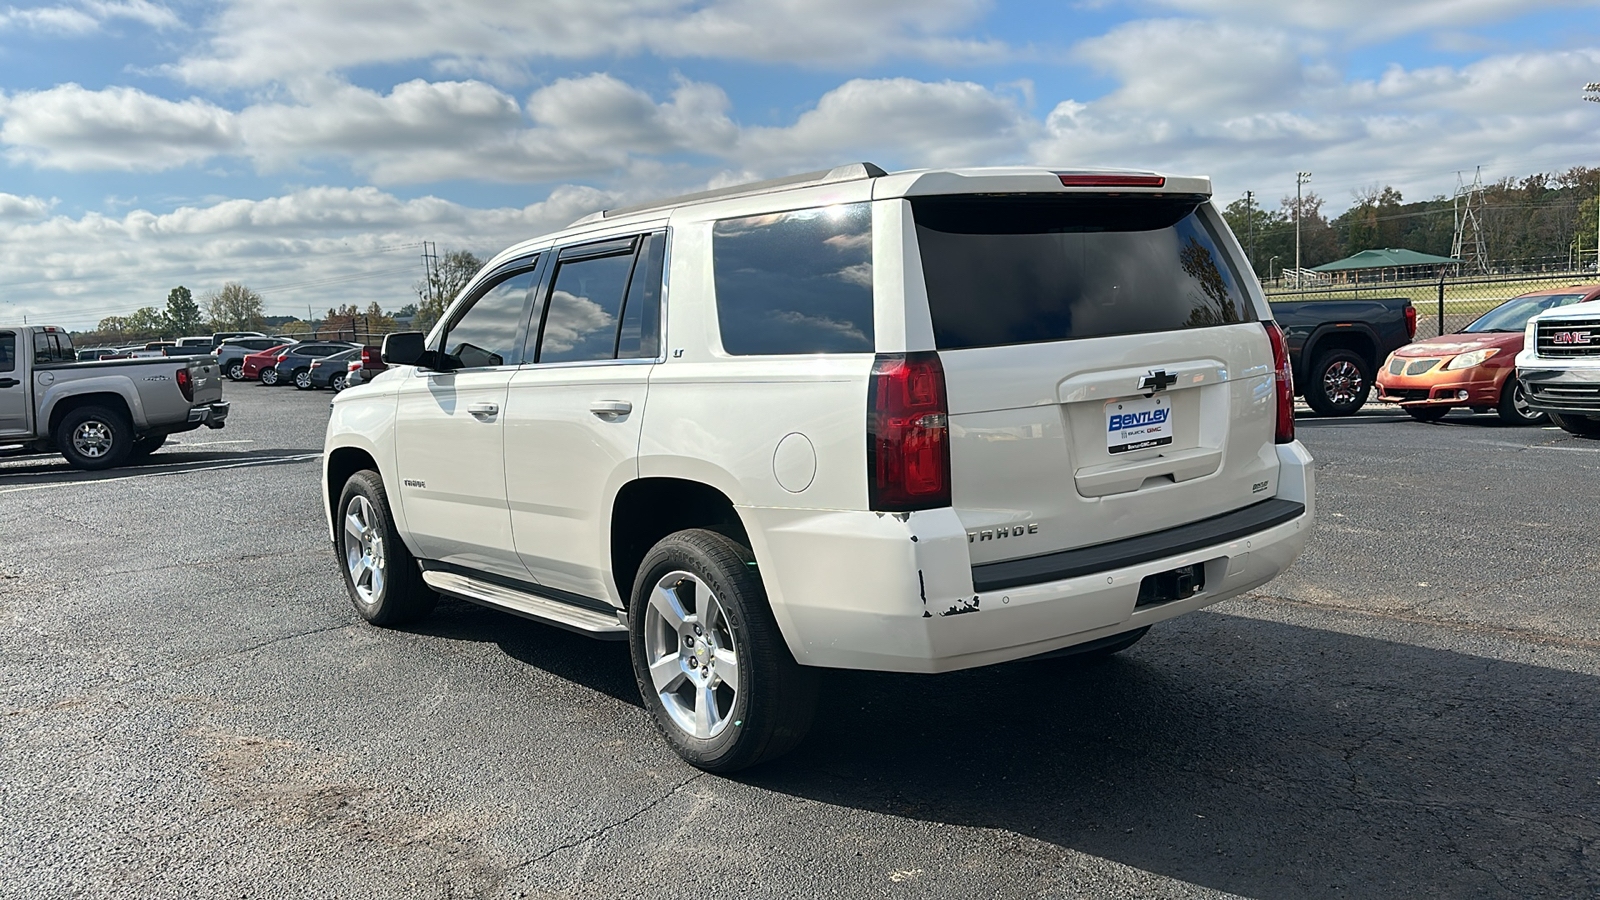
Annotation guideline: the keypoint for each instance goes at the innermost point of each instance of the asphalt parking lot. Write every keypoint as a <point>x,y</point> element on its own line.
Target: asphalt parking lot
<point>191,708</point>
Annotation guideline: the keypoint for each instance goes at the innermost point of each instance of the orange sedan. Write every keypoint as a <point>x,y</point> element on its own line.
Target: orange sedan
<point>1475,367</point>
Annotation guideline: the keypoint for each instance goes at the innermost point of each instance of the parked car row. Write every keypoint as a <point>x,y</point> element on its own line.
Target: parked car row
<point>306,365</point>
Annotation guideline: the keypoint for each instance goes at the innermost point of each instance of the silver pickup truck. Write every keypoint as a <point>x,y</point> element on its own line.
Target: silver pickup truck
<point>98,414</point>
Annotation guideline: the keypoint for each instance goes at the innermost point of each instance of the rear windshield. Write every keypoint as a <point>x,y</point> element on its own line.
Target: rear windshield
<point>1021,270</point>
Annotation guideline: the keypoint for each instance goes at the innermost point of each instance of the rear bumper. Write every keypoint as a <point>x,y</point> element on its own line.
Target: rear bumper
<point>901,594</point>
<point>211,415</point>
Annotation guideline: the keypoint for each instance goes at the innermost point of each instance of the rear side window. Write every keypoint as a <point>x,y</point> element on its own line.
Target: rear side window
<point>795,282</point>
<point>584,306</point>
<point>640,337</point>
<point>1021,270</point>
<point>8,351</point>
<point>52,347</point>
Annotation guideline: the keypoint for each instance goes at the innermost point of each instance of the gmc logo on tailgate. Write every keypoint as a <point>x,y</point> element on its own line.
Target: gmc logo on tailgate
<point>1572,337</point>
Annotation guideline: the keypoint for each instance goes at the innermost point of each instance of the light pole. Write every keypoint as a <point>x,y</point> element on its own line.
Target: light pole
<point>1300,178</point>
<point>1270,263</point>
<point>1250,222</point>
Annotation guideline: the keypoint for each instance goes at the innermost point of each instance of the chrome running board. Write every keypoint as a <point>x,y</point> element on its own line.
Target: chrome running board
<point>541,609</point>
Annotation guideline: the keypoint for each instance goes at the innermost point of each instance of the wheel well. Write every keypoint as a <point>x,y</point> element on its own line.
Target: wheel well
<point>647,510</point>
<point>1354,341</point>
<point>68,404</point>
<point>342,463</point>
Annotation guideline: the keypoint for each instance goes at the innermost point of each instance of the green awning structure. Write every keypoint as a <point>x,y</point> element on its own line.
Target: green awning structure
<point>1386,259</point>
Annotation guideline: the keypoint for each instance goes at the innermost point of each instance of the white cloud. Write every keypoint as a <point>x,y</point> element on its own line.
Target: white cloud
<point>74,271</point>
<point>120,128</point>
<point>13,207</point>
<point>935,124</point>
<point>86,17</point>
<point>259,41</point>
<point>1174,64</point>
<point>1412,128</point>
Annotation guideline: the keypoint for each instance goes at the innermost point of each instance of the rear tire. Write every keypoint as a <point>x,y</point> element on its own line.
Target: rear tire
<point>337,383</point>
<point>1339,383</point>
<point>696,602</point>
<point>1580,425</point>
<point>302,379</point>
<point>269,377</point>
<point>1427,413</point>
<point>1514,408</point>
<point>94,438</point>
<point>236,371</point>
<point>380,574</point>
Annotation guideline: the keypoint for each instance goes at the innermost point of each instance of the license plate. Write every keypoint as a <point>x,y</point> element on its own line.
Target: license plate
<point>1138,423</point>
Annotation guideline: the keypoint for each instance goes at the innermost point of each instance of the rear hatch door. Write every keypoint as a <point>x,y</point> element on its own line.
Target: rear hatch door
<point>1107,372</point>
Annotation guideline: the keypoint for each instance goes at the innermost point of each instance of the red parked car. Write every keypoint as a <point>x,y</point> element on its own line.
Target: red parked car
<point>255,362</point>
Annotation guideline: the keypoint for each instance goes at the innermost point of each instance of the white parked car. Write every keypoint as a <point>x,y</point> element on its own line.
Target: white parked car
<point>912,422</point>
<point>1559,366</point>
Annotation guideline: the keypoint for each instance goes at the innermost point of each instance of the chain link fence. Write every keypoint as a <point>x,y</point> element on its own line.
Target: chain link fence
<point>1444,305</point>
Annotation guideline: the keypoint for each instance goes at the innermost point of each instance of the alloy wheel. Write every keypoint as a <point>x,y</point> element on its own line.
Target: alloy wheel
<point>1342,382</point>
<point>363,550</point>
<point>692,656</point>
<point>93,439</point>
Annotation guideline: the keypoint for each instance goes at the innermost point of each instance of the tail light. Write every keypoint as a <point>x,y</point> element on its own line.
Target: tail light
<point>908,448</point>
<point>1285,383</point>
<point>186,384</point>
<point>1411,321</point>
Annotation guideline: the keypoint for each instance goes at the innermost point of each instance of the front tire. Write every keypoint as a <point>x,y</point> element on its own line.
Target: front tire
<point>1339,383</point>
<point>380,574</point>
<point>269,377</point>
<point>1580,425</point>
<point>1514,408</point>
<point>713,669</point>
<point>94,438</point>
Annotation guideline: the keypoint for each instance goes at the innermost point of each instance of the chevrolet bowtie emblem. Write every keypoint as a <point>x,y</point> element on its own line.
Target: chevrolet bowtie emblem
<point>1158,380</point>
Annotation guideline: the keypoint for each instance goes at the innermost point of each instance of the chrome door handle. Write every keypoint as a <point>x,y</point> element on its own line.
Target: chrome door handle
<point>607,409</point>
<point>484,409</point>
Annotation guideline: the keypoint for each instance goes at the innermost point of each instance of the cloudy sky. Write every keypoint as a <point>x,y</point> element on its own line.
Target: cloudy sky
<point>308,147</point>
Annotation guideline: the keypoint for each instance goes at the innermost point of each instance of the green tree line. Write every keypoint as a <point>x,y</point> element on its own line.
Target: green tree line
<point>1537,221</point>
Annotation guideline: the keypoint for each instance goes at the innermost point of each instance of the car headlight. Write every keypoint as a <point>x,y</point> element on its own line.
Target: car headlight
<point>1468,360</point>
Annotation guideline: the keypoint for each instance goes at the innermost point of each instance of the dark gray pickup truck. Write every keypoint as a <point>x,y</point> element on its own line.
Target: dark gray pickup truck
<point>1336,346</point>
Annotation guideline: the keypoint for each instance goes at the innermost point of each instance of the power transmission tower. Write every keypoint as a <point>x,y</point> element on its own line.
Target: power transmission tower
<point>1469,246</point>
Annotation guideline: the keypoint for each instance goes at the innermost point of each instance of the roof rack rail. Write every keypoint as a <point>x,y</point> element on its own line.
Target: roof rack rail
<point>847,172</point>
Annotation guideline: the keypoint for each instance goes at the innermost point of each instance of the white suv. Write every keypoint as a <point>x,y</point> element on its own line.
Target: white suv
<point>911,422</point>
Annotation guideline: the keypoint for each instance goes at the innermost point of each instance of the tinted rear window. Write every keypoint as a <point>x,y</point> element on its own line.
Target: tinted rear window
<point>1015,270</point>
<point>795,282</point>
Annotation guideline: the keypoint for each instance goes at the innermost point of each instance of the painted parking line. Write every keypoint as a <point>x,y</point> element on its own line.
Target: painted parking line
<point>191,467</point>
<point>210,443</point>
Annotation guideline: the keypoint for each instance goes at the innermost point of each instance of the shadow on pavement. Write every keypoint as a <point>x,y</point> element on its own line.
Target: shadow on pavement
<point>17,471</point>
<point>1247,756</point>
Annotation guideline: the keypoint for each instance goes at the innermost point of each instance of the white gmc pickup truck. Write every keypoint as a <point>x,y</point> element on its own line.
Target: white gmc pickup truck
<point>916,421</point>
<point>1559,366</point>
<point>98,414</point>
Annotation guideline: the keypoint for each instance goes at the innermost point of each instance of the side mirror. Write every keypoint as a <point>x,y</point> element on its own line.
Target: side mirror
<point>403,348</point>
